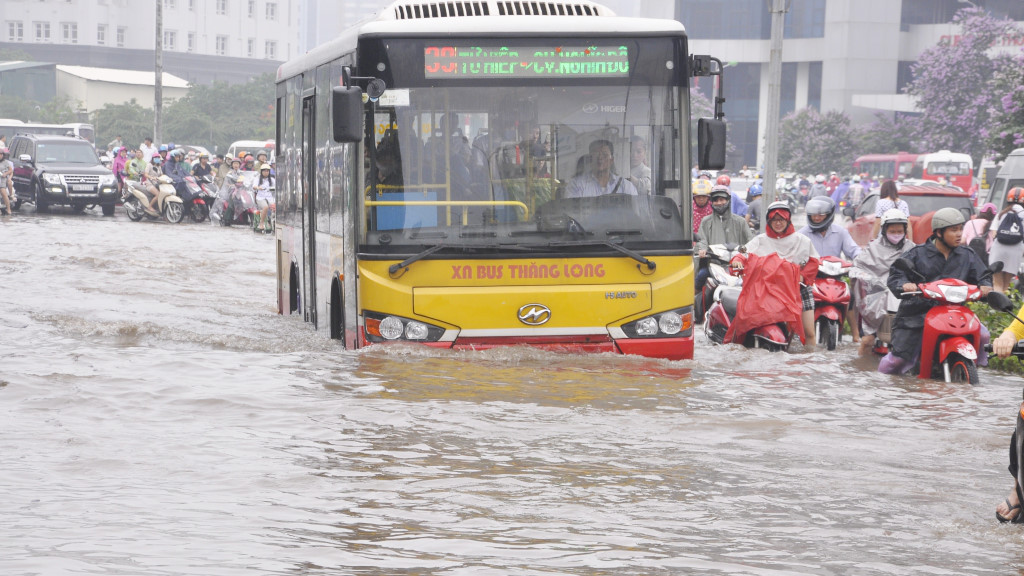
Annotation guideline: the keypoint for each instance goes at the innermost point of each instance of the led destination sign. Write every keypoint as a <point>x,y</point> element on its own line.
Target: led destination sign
<point>454,62</point>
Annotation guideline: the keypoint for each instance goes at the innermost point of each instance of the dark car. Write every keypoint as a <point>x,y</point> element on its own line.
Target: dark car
<point>61,170</point>
<point>922,201</point>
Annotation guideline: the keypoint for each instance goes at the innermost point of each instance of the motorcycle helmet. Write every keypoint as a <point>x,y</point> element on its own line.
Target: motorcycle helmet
<point>701,187</point>
<point>987,210</point>
<point>946,217</point>
<point>755,190</point>
<point>1015,195</point>
<point>820,178</point>
<point>240,180</point>
<point>720,191</point>
<point>170,146</point>
<point>163,148</point>
<point>265,167</point>
<point>705,174</point>
<point>779,208</point>
<point>856,178</point>
<point>894,216</point>
<point>820,205</point>
<point>724,180</point>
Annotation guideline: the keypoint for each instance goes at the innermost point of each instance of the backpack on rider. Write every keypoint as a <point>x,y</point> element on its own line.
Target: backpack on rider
<point>1009,230</point>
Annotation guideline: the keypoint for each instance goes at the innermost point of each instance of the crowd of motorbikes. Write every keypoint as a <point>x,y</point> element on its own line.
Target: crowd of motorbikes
<point>196,199</point>
<point>951,334</point>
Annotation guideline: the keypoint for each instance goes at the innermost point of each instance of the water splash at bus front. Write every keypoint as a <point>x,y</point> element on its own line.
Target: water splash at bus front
<point>160,418</point>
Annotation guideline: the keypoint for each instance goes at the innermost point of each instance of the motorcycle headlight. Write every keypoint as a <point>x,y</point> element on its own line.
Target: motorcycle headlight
<point>52,179</point>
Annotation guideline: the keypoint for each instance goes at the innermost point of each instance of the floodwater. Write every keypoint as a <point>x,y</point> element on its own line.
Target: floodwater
<point>157,417</point>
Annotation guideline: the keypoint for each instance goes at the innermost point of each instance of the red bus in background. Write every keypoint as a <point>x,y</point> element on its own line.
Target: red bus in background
<point>888,166</point>
<point>957,169</point>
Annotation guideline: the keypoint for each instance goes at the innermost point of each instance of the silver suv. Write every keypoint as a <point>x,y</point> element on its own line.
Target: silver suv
<point>60,170</point>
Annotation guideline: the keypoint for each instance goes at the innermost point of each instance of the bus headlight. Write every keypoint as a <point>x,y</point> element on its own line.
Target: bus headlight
<point>678,323</point>
<point>670,323</point>
<point>647,326</point>
<point>387,327</point>
<point>415,330</point>
<point>391,328</point>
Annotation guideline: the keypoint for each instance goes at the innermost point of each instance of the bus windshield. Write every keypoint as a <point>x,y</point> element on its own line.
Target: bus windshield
<point>526,158</point>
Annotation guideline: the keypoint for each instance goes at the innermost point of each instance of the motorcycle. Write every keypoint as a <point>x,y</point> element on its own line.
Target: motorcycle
<point>772,336</point>
<point>952,332</point>
<point>831,300</point>
<point>717,263</point>
<point>136,199</point>
<point>234,205</point>
<point>202,196</point>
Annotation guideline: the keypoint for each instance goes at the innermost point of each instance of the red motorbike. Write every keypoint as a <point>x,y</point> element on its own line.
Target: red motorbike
<point>952,332</point>
<point>831,300</point>
<point>771,335</point>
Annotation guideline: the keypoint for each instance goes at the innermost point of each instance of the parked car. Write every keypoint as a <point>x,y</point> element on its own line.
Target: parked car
<point>923,200</point>
<point>61,170</point>
<point>197,149</point>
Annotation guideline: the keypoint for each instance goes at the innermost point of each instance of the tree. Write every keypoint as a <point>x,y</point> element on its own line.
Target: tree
<point>886,135</point>
<point>216,115</point>
<point>1007,126</point>
<point>812,143</point>
<point>131,121</point>
<point>951,84</point>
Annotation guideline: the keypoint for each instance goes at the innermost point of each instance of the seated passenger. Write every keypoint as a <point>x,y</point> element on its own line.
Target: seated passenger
<point>601,178</point>
<point>870,273</point>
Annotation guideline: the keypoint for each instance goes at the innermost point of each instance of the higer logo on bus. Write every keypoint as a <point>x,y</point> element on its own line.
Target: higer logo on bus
<point>534,314</point>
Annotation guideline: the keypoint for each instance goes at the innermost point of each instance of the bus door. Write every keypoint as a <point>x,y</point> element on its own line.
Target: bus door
<point>308,176</point>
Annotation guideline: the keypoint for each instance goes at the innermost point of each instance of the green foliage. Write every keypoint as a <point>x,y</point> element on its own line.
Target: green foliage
<point>14,55</point>
<point>812,143</point>
<point>216,115</point>
<point>996,323</point>
<point>131,121</point>
<point>56,111</point>
<point>213,116</point>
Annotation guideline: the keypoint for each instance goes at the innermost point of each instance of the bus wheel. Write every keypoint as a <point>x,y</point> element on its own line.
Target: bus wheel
<point>337,313</point>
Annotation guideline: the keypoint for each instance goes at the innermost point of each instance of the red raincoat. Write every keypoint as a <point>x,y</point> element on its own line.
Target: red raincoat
<point>771,294</point>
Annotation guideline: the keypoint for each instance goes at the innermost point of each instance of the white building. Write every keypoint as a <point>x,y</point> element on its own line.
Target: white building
<point>203,40</point>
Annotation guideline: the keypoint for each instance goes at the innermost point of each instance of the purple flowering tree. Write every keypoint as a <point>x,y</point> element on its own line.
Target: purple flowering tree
<point>815,143</point>
<point>887,135</point>
<point>1006,130</point>
<point>952,84</point>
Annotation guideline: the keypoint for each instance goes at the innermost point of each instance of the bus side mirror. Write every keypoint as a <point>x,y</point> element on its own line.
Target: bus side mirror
<point>347,114</point>
<point>710,144</point>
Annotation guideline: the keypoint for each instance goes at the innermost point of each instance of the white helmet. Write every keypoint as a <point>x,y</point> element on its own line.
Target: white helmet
<point>820,178</point>
<point>893,216</point>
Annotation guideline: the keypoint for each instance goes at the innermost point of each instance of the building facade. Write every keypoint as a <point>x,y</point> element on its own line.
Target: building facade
<point>848,55</point>
<point>203,40</point>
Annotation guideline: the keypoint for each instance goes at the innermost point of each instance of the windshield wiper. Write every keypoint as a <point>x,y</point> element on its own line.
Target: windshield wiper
<point>415,258</point>
<point>651,265</point>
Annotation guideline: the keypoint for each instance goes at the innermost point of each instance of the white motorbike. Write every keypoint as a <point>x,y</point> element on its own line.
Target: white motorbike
<point>168,203</point>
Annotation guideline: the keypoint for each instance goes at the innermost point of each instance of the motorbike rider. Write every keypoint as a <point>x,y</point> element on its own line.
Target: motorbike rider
<point>701,202</point>
<point>6,180</point>
<point>151,178</point>
<point>818,188</point>
<point>780,237</point>
<point>941,256</point>
<point>870,272</point>
<point>753,216</point>
<point>136,166</point>
<point>720,227</point>
<point>738,205</point>
<point>265,186</point>
<point>203,167</point>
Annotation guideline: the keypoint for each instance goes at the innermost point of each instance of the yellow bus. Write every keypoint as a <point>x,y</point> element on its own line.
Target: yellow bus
<point>484,173</point>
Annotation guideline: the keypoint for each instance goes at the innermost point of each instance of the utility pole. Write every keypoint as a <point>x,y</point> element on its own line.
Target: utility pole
<point>771,145</point>
<point>158,85</point>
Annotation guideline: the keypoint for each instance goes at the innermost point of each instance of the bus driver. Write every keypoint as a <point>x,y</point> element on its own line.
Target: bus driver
<point>601,178</point>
